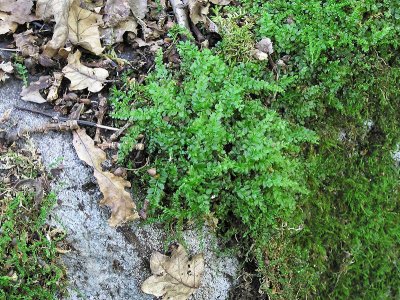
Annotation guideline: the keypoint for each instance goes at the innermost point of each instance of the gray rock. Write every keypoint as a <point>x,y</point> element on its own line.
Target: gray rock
<point>106,263</point>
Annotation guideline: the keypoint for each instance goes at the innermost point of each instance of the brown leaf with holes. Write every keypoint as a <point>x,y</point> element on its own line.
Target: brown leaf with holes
<point>174,277</point>
<point>32,92</point>
<point>120,202</point>
<point>84,28</point>
<point>82,77</point>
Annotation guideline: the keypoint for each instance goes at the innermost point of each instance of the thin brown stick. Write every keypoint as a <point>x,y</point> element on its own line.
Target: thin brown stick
<point>80,122</point>
<point>117,134</point>
<point>100,116</point>
<point>11,50</point>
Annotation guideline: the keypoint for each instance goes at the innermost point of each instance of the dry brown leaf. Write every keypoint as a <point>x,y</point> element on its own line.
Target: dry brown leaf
<point>32,92</point>
<point>115,34</point>
<point>5,68</point>
<point>6,25</point>
<point>198,10</point>
<point>82,77</point>
<point>26,43</point>
<point>116,11</point>
<point>84,28</point>
<point>19,11</point>
<point>53,91</point>
<point>174,277</point>
<point>138,8</point>
<point>117,21</point>
<point>265,45</point>
<point>45,9</point>
<point>120,202</point>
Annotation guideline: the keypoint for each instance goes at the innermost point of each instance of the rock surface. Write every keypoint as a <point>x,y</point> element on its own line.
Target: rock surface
<point>106,263</point>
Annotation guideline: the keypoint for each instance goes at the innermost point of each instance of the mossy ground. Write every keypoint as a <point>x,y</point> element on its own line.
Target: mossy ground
<point>29,265</point>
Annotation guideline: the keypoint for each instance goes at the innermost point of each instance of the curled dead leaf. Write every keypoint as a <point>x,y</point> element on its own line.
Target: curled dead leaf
<point>112,187</point>
<point>82,77</point>
<point>45,9</point>
<point>174,277</point>
<point>112,35</point>
<point>32,92</point>
<point>53,91</point>
<point>198,10</point>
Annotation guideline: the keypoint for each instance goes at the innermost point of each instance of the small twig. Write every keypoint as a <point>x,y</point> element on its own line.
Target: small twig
<point>10,50</point>
<point>100,116</point>
<point>117,134</point>
<point>80,122</point>
<point>180,12</point>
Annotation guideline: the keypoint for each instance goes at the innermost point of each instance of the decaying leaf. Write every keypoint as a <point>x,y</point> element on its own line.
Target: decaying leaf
<point>116,11</point>
<point>45,9</point>
<point>32,92</point>
<point>117,21</point>
<point>82,77</point>
<point>19,11</point>
<point>26,43</point>
<point>138,8</point>
<point>265,45</point>
<point>115,34</point>
<point>53,91</point>
<point>174,277</point>
<point>5,68</point>
<point>120,202</point>
<point>6,25</point>
<point>198,10</point>
<point>84,28</point>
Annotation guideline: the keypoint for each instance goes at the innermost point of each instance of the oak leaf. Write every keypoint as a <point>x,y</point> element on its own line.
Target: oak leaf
<point>82,77</point>
<point>32,92</point>
<point>112,187</point>
<point>84,28</point>
<point>174,277</point>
